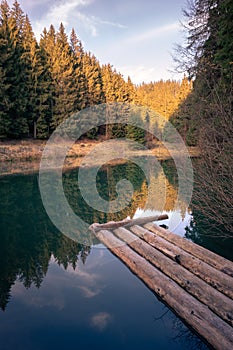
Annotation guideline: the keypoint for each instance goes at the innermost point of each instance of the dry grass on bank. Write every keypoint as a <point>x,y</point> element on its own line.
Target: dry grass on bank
<point>24,156</point>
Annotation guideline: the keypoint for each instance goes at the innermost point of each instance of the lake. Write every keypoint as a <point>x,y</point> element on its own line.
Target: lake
<point>56,292</point>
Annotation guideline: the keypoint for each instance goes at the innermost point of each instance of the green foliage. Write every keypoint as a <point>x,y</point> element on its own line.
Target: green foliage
<point>43,84</point>
<point>224,54</point>
<point>4,100</point>
<point>136,129</point>
<point>28,238</point>
<point>14,101</point>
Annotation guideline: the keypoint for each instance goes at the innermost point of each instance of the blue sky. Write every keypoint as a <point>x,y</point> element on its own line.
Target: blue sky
<point>137,37</point>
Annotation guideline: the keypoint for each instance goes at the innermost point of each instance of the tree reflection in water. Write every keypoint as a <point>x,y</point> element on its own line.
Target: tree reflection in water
<point>29,241</point>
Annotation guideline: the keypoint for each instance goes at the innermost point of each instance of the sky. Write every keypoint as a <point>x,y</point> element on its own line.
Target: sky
<point>136,36</point>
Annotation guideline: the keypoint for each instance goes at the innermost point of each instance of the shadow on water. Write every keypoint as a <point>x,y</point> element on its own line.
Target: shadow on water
<point>28,239</point>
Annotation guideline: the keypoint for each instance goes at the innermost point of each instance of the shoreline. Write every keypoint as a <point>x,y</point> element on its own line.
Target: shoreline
<point>23,157</point>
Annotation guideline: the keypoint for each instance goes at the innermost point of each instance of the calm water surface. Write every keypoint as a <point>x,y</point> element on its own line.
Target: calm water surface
<point>56,293</point>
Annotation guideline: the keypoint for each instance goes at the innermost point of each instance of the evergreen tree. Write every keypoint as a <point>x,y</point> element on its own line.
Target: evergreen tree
<point>132,92</point>
<point>224,55</point>
<point>58,56</point>
<point>37,84</point>
<point>115,90</point>
<point>135,130</point>
<point>94,88</point>
<point>114,86</point>
<point>164,97</point>
<point>4,100</point>
<point>108,83</point>
<point>43,86</point>
<point>63,74</point>
<point>81,85</point>
<point>210,48</point>
<point>46,46</point>
<point>11,31</point>
<point>92,71</point>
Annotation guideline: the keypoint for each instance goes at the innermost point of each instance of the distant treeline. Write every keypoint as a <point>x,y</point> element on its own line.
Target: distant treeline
<point>43,83</point>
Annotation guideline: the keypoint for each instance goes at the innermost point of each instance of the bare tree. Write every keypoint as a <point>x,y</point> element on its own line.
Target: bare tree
<point>214,170</point>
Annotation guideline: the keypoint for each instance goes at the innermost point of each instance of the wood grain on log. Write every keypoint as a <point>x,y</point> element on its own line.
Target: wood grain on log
<point>198,316</point>
<point>217,302</point>
<point>206,255</point>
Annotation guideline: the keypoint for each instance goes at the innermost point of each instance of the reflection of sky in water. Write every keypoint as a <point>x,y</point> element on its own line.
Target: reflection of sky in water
<point>74,308</point>
<point>176,221</point>
<point>100,304</point>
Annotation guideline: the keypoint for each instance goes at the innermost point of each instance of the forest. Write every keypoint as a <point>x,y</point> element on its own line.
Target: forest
<point>205,118</point>
<point>43,83</point>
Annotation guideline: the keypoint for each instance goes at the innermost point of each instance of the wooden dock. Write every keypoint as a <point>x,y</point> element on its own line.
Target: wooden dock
<point>194,282</point>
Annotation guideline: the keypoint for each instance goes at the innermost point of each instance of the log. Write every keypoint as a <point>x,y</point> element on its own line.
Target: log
<point>198,316</point>
<point>214,277</point>
<point>127,222</point>
<point>209,257</point>
<point>217,302</point>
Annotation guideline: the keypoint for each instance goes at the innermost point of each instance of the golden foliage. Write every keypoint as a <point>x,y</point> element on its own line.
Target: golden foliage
<point>164,97</point>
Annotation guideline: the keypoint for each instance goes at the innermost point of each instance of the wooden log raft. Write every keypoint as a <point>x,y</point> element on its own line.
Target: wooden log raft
<point>195,283</point>
<point>127,222</point>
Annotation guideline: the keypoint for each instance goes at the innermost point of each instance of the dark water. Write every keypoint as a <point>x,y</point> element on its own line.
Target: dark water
<point>56,293</point>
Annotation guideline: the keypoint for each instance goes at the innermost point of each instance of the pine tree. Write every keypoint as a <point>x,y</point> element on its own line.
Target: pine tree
<point>11,26</point>
<point>108,84</point>
<point>94,94</point>
<point>114,86</point>
<point>135,130</point>
<point>224,55</point>
<point>92,71</point>
<point>4,101</point>
<point>63,71</point>
<point>43,88</point>
<point>81,100</point>
<point>115,90</point>
<point>35,79</point>
<point>210,104</point>
<point>5,121</point>
<point>46,46</point>
<point>61,66</point>
<point>163,97</point>
<point>132,92</point>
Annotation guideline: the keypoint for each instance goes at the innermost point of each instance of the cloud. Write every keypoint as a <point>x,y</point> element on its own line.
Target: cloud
<point>100,320</point>
<point>69,12</point>
<point>138,73</point>
<point>47,299</point>
<point>62,11</point>
<point>31,4</point>
<point>153,33</point>
<point>152,71</point>
<point>28,3</point>
<point>108,23</point>
<point>84,275</point>
<point>89,292</point>
<point>88,282</point>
